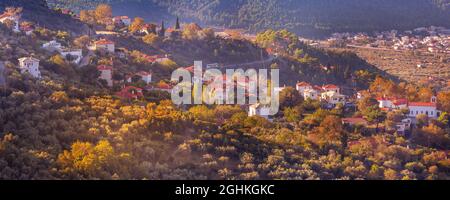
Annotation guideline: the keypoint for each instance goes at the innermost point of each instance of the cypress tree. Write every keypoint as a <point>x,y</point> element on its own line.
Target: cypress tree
<point>163,29</point>
<point>177,24</point>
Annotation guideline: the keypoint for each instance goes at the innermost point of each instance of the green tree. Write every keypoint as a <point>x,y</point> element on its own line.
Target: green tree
<point>290,97</point>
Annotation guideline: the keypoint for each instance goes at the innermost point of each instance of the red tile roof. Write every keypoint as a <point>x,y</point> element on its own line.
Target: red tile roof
<point>303,84</point>
<point>354,121</point>
<point>104,67</point>
<point>144,73</point>
<point>6,14</point>
<point>398,102</point>
<point>394,100</point>
<point>317,88</point>
<point>190,69</point>
<point>170,30</point>
<point>103,42</point>
<point>330,86</point>
<point>130,92</point>
<point>163,86</point>
<point>153,58</point>
<point>422,104</point>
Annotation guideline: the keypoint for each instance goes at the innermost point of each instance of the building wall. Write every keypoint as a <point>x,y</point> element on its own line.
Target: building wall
<point>147,79</point>
<point>432,112</point>
<point>107,47</point>
<point>31,68</point>
<point>107,76</point>
<point>78,54</point>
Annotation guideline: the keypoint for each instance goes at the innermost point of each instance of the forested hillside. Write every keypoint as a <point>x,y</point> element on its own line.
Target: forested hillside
<point>38,12</point>
<point>306,17</point>
<point>69,124</point>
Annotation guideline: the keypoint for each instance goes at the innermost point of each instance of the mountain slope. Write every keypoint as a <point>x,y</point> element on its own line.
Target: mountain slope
<point>306,17</point>
<point>38,12</point>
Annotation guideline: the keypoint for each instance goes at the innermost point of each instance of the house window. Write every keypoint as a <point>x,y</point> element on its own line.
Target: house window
<point>426,112</point>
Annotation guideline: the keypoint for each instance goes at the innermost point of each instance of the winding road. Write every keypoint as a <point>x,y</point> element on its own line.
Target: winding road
<point>259,62</point>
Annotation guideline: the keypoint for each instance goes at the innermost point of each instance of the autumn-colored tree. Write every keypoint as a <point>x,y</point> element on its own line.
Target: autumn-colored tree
<point>425,94</point>
<point>168,64</point>
<point>60,97</point>
<point>422,120</point>
<point>383,87</point>
<point>444,101</point>
<point>390,174</point>
<point>87,16</point>
<point>202,113</point>
<point>152,39</point>
<point>136,25</point>
<point>58,60</point>
<point>432,136</point>
<point>366,102</point>
<point>444,119</point>
<point>329,132</point>
<point>191,31</point>
<point>81,41</point>
<point>292,114</point>
<point>99,160</point>
<point>62,35</point>
<point>392,118</point>
<point>103,14</point>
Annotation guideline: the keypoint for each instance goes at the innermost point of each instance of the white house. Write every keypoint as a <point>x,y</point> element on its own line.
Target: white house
<point>423,108</point>
<point>106,74</point>
<point>404,126</point>
<point>302,86</point>
<point>75,54</point>
<point>27,29</point>
<point>259,110</point>
<point>52,46</point>
<point>311,94</point>
<point>331,88</point>
<point>333,97</point>
<point>104,44</point>
<point>392,103</point>
<point>11,17</point>
<point>145,76</point>
<point>122,19</point>
<point>30,65</point>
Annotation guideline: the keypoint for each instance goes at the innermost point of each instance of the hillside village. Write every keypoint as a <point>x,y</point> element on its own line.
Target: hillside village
<point>431,39</point>
<point>322,119</point>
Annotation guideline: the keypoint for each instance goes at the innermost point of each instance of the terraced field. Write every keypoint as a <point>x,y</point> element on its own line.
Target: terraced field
<point>434,68</point>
